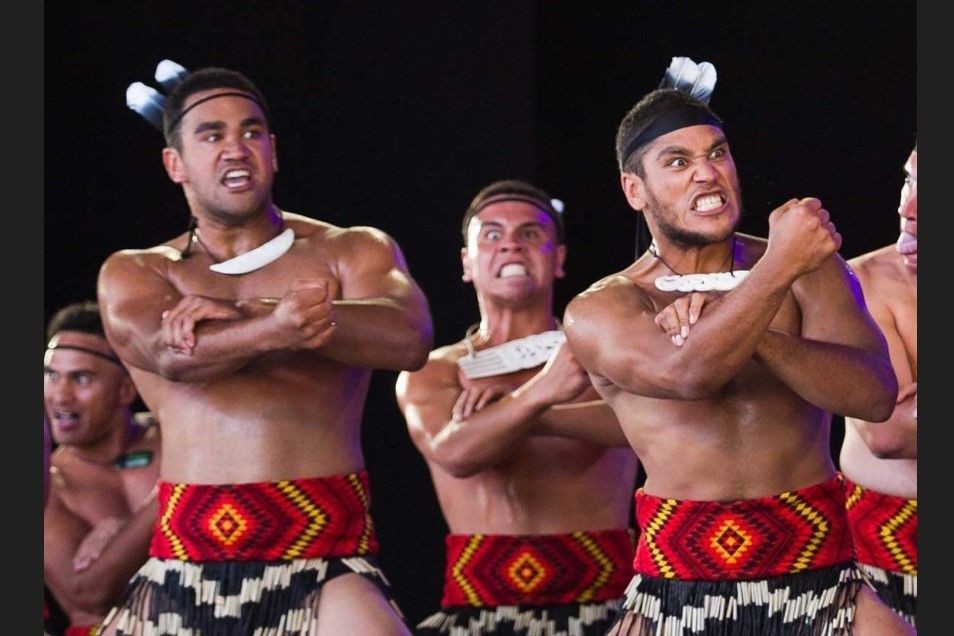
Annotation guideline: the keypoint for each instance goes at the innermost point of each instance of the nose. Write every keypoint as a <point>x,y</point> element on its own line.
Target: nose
<point>908,209</point>
<point>512,243</point>
<point>704,170</point>
<point>235,148</point>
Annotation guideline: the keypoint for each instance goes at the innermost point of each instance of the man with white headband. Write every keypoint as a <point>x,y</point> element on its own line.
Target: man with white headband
<point>254,335</point>
<point>743,527</point>
<point>880,459</point>
<point>530,467</point>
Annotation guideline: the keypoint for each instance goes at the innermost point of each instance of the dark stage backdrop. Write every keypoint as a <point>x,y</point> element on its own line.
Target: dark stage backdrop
<point>395,115</point>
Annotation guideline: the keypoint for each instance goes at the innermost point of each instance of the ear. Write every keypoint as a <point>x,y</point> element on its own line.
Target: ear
<point>634,189</point>
<point>274,153</point>
<point>465,263</point>
<point>559,272</point>
<point>173,164</point>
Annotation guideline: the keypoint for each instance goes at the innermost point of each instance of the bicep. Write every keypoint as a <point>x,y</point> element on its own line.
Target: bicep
<point>427,402</point>
<point>132,296</point>
<point>618,340</point>
<point>833,308</point>
<point>372,266</point>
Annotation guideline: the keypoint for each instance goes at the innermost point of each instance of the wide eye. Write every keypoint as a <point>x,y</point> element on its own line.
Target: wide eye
<point>719,153</point>
<point>677,162</point>
<point>493,235</point>
<point>531,233</point>
<point>84,379</point>
<point>51,375</point>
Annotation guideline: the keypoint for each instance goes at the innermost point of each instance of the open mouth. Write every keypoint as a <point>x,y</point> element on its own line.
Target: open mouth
<point>234,179</point>
<point>708,202</point>
<point>511,270</point>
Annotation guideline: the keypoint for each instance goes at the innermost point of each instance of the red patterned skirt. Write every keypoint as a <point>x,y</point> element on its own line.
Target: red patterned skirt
<point>250,558</point>
<point>884,529</point>
<point>774,565</point>
<point>519,584</point>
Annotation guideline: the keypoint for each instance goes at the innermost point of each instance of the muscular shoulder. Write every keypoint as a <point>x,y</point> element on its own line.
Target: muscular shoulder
<point>440,371</point>
<point>603,297</point>
<point>879,267</point>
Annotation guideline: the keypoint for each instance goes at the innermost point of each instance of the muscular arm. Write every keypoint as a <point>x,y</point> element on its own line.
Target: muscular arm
<point>590,421</point>
<point>840,361</point>
<point>134,293</point>
<point>612,331</point>
<point>382,316</point>
<point>491,434</point>
<point>96,588</point>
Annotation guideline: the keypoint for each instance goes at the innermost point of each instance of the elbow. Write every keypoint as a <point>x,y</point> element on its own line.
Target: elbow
<point>881,405</point>
<point>455,461</point>
<point>413,354</point>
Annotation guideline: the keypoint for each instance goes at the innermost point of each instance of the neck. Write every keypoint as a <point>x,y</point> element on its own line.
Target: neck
<point>712,258</point>
<point>106,451</point>
<point>222,241</point>
<point>504,325</point>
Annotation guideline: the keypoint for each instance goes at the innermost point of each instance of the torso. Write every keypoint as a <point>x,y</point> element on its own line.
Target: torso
<point>284,415</point>
<point>549,485</point>
<point>891,294</point>
<point>757,436</point>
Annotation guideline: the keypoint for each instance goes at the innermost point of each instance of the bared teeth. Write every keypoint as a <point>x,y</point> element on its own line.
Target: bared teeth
<point>513,269</point>
<point>708,202</point>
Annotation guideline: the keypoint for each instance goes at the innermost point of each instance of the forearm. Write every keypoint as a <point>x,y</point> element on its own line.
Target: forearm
<point>97,587</point>
<point>591,421</point>
<point>222,347</point>
<point>379,334</point>
<point>486,437</point>
<point>726,336</point>
<point>845,380</point>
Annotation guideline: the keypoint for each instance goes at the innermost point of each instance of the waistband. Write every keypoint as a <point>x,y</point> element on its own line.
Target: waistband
<point>884,528</point>
<point>81,630</point>
<point>788,533</point>
<point>265,521</point>
<point>580,567</point>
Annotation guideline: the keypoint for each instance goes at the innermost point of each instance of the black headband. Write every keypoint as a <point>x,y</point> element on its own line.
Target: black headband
<point>508,196</point>
<point>680,117</point>
<point>104,356</point>
<point>175,122</point>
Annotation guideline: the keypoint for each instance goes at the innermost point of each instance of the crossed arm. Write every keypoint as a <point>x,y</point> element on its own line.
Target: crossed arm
<point>370,314</point>
<point>466,431</point>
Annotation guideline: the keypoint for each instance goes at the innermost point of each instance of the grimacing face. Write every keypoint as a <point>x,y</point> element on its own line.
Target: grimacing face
<point>227,161</point>
<point>690,189</point>
<point>512,248</point>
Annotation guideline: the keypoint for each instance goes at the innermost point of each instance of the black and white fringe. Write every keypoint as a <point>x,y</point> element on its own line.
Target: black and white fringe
<point>586,619</point>
<point>182,598</point>
<point>898,591</point>
<point>815,603</point>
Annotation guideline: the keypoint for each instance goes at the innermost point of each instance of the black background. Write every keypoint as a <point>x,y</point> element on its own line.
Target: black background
<point>394,115</point>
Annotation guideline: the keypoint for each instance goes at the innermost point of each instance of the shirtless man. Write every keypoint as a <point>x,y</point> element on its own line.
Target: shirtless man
<point>880,460</point>
<point>253,337</point>
<point>100,509</point>
<point>742,513</point>
<point>521,455</point>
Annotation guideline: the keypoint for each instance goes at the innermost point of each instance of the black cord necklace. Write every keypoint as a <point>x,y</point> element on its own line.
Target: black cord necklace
<point>716,281</point>
<point>654,250</point>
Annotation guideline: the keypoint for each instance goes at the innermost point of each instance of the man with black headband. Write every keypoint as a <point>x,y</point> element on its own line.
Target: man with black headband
<point>101,505</point>
<point>531,469</point>
<point>729,406</point>
<point>880,459</point>
<point>255,334</point>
